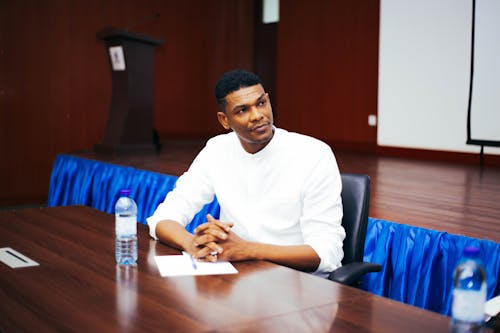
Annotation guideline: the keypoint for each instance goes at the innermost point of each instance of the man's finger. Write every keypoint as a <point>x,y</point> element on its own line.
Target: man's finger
<point>202,227</point>
<point>210,249</point>
<point>204,239</point>
<point>224,226</point>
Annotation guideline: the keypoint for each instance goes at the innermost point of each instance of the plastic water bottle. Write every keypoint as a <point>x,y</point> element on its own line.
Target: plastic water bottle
<point>469,294</point>
<point>126,229</point>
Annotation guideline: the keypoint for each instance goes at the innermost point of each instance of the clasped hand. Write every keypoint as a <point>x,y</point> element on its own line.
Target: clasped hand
<point>214,240</point>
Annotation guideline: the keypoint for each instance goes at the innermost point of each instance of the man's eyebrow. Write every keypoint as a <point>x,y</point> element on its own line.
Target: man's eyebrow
<point>245,105</point>
<point>260,97</point>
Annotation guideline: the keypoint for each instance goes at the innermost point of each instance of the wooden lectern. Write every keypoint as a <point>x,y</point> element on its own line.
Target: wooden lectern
<point>130,122</point>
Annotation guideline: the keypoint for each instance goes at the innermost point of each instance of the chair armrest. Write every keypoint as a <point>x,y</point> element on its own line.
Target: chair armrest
<point>352,272</point>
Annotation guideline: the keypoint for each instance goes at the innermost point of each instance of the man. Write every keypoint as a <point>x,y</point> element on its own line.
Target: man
<point>279,192</point>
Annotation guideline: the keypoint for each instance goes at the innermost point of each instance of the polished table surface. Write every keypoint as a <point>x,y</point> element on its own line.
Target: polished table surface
<point>78,287</point>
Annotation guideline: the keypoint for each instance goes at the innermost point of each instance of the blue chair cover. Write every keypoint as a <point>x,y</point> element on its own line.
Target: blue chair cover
<point>418,264</point>
<point>79,181</point>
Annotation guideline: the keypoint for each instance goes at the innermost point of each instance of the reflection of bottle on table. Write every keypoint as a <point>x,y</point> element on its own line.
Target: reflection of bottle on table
<point>126,293</point>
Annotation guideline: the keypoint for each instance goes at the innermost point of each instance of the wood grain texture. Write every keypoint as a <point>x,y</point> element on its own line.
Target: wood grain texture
<point>78,287</point>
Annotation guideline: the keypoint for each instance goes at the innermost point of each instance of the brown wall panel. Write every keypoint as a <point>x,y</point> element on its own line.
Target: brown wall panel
<point>204,41</point>
<point>55,82</point>
<point>327,70</point>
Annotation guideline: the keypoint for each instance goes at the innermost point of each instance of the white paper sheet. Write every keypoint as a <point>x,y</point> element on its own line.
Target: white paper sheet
<point>177,265</point>
<point>492,307</point>
<point>14,259</point>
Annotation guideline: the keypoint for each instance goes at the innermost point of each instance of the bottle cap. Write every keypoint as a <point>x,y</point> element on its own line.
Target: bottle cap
<point>124,192</point>
<point>471,251</point>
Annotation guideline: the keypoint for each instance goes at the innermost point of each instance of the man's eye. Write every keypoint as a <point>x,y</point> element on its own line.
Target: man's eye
<point>241,110</point>
<point>261,103</point>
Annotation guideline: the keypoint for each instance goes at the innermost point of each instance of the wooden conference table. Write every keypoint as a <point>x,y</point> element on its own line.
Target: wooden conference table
<point>77,287</point>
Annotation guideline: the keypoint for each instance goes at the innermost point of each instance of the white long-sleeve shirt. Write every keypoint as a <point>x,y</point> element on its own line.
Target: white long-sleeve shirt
<point>286,194</point>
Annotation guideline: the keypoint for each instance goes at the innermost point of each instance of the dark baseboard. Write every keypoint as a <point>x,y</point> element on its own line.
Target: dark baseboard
<point>418,154</point>
<point>435,155</point>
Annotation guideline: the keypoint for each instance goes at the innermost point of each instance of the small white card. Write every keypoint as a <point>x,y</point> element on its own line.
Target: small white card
<point>14,259</point>
<point>184,264</point>
<point>117,58</point>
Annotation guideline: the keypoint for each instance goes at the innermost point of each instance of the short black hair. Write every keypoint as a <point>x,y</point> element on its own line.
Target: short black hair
<point>232,81</point>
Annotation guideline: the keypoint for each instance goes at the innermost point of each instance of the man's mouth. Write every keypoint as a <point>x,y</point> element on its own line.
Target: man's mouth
<point>259,127</point>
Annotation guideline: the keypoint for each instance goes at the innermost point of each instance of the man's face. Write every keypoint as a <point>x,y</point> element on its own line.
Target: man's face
<point>250,116</point>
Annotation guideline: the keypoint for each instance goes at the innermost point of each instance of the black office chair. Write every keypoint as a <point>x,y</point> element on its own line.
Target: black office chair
<point>355,201</point>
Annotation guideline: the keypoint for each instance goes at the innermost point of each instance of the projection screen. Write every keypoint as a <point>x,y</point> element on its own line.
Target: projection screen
<point>483,123</point>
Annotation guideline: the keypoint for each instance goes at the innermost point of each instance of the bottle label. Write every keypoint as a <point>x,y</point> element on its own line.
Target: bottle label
<point>125,226</point>
<point>468,305</point>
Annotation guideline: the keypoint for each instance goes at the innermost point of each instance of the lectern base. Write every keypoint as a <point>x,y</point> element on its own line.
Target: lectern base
<point>110,149</point>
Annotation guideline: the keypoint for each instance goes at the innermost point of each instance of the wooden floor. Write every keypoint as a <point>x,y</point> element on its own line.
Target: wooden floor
<point>456,198</point>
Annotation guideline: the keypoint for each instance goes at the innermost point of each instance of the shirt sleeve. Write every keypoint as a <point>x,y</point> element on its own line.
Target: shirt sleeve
<point>321,220</point>
<point>192,190</point>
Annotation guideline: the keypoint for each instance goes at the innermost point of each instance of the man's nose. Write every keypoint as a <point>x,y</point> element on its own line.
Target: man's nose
<point>255,114</point>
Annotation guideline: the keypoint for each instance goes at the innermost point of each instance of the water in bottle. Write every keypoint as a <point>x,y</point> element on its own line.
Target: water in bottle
<point>126,229</point>
<point>469,294</point>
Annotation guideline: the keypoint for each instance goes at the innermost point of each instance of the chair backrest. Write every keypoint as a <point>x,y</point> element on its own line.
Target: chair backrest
<point>356,202</point>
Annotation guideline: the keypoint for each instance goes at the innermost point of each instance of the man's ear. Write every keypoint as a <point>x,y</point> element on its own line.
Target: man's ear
<point>222,117</point>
